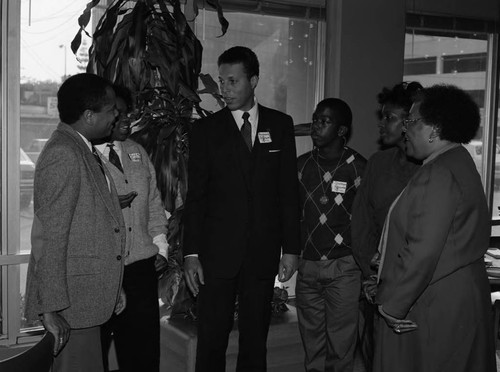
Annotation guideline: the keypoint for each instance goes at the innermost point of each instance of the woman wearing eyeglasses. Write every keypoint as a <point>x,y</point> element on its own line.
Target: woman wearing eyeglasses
<point>387,173</point>
<point>433,291</point>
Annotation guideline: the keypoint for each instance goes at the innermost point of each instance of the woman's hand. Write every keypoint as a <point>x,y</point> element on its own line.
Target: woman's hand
<point>397,325</point>
<point>375,261</point>
<point>370,288</point>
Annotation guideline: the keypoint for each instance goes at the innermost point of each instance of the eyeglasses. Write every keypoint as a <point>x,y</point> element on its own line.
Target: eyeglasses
<point>408,122</point>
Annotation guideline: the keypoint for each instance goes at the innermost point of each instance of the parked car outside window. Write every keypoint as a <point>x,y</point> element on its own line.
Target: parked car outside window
<point>27,170</point>
<point>35,148</point>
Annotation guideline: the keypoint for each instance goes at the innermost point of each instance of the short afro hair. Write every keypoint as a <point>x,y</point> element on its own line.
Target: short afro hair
<point>81,92</point>
<point>341,110</point>
<point>451,110</point>
<point>124,93</point>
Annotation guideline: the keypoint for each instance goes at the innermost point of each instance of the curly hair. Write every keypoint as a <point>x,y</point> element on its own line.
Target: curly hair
<point>451,110</point>
<point>124,93</point>
<point>401,94</point>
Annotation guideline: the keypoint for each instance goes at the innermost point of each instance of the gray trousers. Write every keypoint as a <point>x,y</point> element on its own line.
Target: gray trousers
<point>327,294</point>
<point>82,352</point>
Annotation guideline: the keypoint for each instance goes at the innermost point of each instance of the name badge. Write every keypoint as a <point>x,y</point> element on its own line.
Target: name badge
<point>264,137</point>
<point>135,156</point>
<point>339,187</point>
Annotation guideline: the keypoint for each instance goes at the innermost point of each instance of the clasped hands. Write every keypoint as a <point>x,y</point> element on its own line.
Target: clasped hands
<point>398,325</point>
<point>193,271</point>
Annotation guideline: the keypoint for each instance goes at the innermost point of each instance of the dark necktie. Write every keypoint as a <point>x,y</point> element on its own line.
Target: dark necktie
<point>114,158</point>
<point>246,131</point>
<point>98,159</point>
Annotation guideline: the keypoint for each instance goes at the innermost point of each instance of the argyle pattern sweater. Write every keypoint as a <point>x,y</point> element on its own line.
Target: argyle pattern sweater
<point>327,190</point>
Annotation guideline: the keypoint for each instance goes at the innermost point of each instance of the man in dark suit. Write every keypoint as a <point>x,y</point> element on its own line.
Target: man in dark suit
<point>241,213</point>
<point>78,234</point>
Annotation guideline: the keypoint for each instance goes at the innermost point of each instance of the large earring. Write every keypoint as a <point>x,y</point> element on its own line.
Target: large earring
<point>431,139</point>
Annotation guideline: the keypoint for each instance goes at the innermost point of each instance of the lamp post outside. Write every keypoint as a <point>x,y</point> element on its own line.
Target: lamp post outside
<point>65,66</point>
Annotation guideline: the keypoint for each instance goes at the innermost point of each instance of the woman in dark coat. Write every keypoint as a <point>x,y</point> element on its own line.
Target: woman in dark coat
<point>433,292</point>
<point>386,175</point>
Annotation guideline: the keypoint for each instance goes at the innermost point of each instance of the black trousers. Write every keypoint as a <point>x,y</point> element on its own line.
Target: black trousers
<point>136,331</point>
<point>368,318</point>
<point>216,304</point>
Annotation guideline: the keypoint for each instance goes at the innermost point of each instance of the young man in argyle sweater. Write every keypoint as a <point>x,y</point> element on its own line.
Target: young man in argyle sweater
<point>329,280</point>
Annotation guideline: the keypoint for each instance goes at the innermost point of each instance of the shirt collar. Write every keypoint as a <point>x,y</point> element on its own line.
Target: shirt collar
<point>87,142</point>
<point>253,112</point>
<point>104,149</point>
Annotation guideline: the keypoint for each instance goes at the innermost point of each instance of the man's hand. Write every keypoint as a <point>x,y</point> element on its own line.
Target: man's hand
<point>193,272</point>
<point>59,327</point>
<point>288,266</point>
<point>122,302</point>
<point>126,200</point>
<point>161,264</point>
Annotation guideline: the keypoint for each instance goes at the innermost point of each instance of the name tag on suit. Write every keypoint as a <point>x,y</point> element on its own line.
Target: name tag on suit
<point>135,156</point>
<point>264,137</point>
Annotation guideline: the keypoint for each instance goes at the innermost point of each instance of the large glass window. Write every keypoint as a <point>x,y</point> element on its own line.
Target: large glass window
<point>46,60</point>
<point>36,58</point>
<point>465,55</point>
<point>460,60</point>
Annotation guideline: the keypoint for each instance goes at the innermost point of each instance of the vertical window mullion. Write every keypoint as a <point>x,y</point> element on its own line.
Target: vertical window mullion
<point>10,101</point>
<point>491,117</point>
<point>13,302</point>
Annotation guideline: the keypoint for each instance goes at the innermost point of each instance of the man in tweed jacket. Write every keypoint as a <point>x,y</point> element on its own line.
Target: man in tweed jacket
<point>78,234</point>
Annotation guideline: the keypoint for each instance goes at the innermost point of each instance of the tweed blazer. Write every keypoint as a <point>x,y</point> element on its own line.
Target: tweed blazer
<point>78,235</point>
<point>242,205</point>
<point>146,217</point>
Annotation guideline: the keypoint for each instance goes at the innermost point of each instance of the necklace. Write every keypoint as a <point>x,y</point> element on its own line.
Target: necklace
<point>327,176</point>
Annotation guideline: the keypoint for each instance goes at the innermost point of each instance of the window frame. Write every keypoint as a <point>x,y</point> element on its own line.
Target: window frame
<point>10,258</point>
<point>444,26</point>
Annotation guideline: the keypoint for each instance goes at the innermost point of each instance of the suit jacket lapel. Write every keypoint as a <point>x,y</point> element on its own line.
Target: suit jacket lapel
<point>257,146</point>
<point>107,194</point>
<point>239,148</point>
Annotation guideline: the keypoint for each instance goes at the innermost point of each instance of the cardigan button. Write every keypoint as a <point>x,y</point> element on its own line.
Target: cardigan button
<point>119,257</point>
<point>117,230</point>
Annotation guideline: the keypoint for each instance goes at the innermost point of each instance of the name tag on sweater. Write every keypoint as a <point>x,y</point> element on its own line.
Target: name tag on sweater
<point>135,156</point>
<point>339,187</point>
